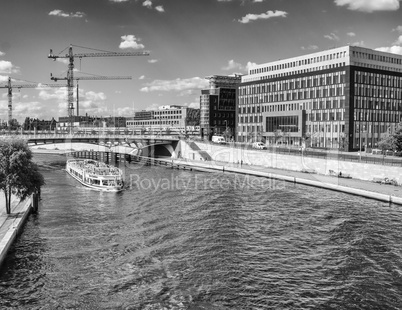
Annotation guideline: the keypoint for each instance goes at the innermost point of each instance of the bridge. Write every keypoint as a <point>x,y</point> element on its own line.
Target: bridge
<point>148,144</point>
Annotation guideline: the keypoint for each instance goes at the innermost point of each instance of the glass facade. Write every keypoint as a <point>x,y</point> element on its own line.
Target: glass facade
<point>283,123</point>
<point>377,105</point>
<point>349,97</point>
<point>321,95</point>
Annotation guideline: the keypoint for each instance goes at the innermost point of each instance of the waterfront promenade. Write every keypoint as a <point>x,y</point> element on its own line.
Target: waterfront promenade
<point>384,192</point>
<point>11,224</point>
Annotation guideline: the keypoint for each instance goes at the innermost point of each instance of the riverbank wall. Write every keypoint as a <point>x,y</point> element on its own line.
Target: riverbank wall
<point>12,224</point>
<point>264,158</point>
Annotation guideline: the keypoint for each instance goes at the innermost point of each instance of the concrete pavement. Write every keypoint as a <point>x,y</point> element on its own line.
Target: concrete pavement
<point>11,224</point>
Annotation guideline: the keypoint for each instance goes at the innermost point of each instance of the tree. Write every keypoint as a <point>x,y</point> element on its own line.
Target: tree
<point>19,176</point>
<point>387,143</point>
<point>227,133</point>
<point>397,138</point>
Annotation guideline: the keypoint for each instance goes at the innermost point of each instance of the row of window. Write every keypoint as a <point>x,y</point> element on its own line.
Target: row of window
<point>296,83</point>
<point>147,123</point>
<point>317,92</point>
<point>380,92</point>
<point>375,57</point>
<point>163,112</point>
<point>284,123</point>
<point>375,104</point>
<point>370,78</point>
<point>370,116</point>
<point>298,63</point>
<point>296,72</point>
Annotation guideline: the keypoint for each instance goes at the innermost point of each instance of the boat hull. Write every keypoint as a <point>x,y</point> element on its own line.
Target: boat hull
<point>82,177</point>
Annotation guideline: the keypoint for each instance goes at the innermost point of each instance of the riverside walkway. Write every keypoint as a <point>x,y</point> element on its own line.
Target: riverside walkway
<point>11,224</point>
<point>383,192</point>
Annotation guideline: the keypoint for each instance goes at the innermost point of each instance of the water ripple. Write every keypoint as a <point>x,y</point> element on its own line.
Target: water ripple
<point>203,241</point>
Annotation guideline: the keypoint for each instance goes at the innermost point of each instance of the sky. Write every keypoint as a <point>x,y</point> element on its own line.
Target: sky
<point>187,40</point>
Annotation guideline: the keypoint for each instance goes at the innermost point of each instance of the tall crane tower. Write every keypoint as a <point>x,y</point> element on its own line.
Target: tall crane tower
<point>10,87</point>
<point>78,78</point>
<point>70,74</point>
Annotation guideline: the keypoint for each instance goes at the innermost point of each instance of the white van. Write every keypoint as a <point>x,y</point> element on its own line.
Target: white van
<point>218,139</point>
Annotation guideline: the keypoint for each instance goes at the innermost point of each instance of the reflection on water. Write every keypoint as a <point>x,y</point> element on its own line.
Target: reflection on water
<point>189,240</point>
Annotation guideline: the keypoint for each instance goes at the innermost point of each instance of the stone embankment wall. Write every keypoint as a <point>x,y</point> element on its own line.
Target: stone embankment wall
<point>231,154</point>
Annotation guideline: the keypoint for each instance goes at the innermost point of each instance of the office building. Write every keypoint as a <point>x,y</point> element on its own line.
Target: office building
<point>347,97</point>
<point>166,118</point>
<point>218,106</point>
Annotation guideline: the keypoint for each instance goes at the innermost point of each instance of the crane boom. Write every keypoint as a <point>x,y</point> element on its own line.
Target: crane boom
<point>10,87</point>
<point>111,54</point>
<point>70,73</point>
<point>93,78</point>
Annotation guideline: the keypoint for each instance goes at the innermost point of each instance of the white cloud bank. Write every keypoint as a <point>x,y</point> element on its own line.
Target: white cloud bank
<point>148,4</point>
<point>332,37</point>
<point>130,41</point>
<point>232,65</point>
<point>6,67</point>
<point>176,85</point>
<point>269,14</point>
<point>369,6</point>
<point>61,13</point>
<point>392,49</point>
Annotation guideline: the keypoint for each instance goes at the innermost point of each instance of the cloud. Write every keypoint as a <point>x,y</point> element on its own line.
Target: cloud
<point>309,48</point>
<point>125,111</point>
<point>3,78</point>
<point>269,14</point>
<point>141,77</point>
<point>152,61</point>
<point>160,8</point>
<point>393,49</point>
<point>359,43</point>
<point>153,106</point>
<point>7,67</point>
<point>118,1</point>
<point>195,104</point>
<point>369,6</point>
<point>61,13</point>
<point>147,4</point>
<point>90,101</point>
<point>250,65</point>
<point>130,41</point>
<point>2,54</point>
<point>232,65</point>
<point>176,85</point>
<point>398,41</point>
<point>332,37</point>
<point>398,29</point>
<point>351,34</point>
<point>58,94</point>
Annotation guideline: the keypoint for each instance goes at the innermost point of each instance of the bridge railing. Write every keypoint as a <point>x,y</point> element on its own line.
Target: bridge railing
<point>67,136</point>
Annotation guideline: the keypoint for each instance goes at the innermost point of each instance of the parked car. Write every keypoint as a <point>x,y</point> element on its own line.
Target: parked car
<point>259,146</point>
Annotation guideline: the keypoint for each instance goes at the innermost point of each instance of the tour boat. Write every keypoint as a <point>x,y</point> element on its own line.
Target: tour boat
<point>96,175</point>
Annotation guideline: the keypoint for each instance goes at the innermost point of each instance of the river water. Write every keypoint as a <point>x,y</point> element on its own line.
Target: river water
<point>178,239</point>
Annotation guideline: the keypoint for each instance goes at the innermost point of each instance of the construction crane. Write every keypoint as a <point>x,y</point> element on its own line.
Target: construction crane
<point>70,74</point>
<point>10,87</point>
<point>95,77</point>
